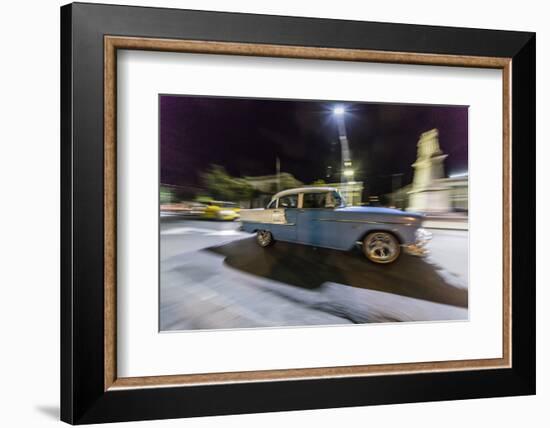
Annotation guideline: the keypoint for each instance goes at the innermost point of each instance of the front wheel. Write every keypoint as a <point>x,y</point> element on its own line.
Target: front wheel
<point>381,247</point>
<point>264,238</point>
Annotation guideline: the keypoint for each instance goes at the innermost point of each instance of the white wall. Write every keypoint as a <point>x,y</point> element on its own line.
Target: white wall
<point>29,232</point>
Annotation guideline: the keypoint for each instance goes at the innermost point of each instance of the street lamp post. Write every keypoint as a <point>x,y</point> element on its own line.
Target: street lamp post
<point>347,175</point>
<point>347,171</point>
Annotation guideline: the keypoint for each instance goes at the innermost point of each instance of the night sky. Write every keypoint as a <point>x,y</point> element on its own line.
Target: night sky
<point>247,135</point>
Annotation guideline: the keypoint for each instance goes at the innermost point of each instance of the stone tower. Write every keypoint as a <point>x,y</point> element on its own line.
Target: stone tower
<point>427,193</point>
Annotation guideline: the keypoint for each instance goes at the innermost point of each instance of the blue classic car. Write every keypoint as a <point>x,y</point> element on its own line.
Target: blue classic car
<point>318,216</point>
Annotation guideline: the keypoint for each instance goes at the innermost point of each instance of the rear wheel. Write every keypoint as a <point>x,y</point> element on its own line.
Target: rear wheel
<point>381,247</point>
<point>264,238</point>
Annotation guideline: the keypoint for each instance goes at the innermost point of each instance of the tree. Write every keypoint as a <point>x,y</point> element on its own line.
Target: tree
<point>166,195</point>
<point>287,181</point>
<point>224,187</point>
<point>319,183</point>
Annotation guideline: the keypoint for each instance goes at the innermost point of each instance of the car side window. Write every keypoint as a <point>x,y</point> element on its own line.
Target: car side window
<point>314,200</point>
<point>289,201</point>
<point>272,204</point>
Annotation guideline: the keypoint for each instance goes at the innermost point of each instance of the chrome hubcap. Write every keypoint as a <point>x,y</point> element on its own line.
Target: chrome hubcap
<point>381,247</point>
<point>264,237</point>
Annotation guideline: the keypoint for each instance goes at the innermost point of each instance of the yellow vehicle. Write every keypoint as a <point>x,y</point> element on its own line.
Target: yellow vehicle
<point>220,210</point>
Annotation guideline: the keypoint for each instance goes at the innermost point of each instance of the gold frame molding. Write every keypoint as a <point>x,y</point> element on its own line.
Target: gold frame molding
<point>113,43</point>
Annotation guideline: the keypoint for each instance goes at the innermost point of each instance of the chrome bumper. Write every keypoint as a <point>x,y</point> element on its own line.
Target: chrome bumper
<point>422,238</point>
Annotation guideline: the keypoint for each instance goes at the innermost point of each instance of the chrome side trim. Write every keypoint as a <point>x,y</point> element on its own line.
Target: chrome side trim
<point>364,221</point>
<point>264,222</point>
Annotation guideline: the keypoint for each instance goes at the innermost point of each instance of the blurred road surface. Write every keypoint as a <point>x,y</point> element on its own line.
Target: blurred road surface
<point>214,276</point>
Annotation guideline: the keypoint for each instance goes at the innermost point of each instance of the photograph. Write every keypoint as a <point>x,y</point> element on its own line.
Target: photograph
<point>294,213</point>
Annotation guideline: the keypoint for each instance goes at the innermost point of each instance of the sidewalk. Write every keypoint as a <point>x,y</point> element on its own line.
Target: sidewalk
<point>446,222</point>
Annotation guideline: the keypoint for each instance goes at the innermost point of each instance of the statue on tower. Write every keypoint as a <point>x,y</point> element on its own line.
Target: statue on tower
<point>427,193</point>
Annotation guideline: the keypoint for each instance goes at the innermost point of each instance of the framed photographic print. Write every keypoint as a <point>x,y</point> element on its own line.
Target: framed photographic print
<point>266,213</point>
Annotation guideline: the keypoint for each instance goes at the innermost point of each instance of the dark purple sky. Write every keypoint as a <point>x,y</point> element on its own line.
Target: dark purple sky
<point>246,135</point>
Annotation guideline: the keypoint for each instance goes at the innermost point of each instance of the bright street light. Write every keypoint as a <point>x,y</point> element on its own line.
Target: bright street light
<point>339,111</point>
<point>349,172</point>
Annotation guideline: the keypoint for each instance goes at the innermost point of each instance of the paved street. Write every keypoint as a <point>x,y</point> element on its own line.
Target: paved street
<point>215,276</point>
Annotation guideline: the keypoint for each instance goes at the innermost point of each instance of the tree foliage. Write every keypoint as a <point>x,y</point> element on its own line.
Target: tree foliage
<point>223,186</point>
<point>166,195</point>
<point>320,182</point>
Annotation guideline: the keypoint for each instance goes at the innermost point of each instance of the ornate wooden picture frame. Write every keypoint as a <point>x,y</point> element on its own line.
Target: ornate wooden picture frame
<point>91,389</point>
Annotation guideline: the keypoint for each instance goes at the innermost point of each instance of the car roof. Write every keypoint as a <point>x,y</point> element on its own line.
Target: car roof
<point>304,190</point>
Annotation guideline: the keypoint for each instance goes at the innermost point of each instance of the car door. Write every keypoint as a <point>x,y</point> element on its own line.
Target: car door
<point>311,220</point>
<point>284,218</point>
